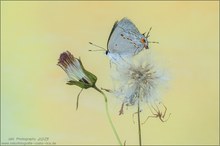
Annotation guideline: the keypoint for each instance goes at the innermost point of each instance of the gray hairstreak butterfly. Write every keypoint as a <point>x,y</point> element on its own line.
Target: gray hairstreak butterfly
<point>125,40</point>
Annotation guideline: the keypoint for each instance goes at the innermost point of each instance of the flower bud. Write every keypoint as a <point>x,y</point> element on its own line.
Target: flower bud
<point>76,72</point>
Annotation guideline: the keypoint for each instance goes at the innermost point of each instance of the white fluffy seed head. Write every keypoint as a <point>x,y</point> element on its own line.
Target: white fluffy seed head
<point>138,79</point>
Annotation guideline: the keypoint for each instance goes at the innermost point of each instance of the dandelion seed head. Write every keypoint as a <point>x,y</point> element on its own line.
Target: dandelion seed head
<point>138,79</point>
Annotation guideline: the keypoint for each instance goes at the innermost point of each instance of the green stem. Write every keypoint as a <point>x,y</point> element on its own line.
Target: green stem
<point>139,123</point>
<point>108,115</point>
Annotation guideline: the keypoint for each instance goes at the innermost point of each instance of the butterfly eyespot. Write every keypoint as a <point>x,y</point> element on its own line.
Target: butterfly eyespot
<point>143,40</point>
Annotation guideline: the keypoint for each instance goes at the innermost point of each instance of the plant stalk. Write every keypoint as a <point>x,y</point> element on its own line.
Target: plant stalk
<point>139,123</point>
<point>108,115</point>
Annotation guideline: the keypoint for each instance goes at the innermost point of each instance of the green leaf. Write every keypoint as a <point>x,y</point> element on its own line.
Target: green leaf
<point>79,84</point>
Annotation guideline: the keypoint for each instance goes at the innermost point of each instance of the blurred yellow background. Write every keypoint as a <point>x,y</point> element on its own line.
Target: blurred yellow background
<point>36,102</point>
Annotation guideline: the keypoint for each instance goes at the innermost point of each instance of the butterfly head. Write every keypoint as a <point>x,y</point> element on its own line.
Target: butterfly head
<point>106,52</point>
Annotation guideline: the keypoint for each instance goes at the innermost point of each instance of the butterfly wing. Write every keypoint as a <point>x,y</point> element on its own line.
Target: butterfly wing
<point>113,28</point>
<point>124,38</point>
<point>127,24</point>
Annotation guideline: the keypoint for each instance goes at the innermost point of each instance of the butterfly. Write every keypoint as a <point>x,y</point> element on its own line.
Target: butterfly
<point>125,40</point>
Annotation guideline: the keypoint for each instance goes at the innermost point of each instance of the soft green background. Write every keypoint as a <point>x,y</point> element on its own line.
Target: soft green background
<point>36,102</point>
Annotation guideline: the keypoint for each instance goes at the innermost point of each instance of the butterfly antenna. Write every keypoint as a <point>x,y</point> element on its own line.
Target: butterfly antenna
<point>102,49</point>
<point>95,50</point>
<point>148,33</point>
